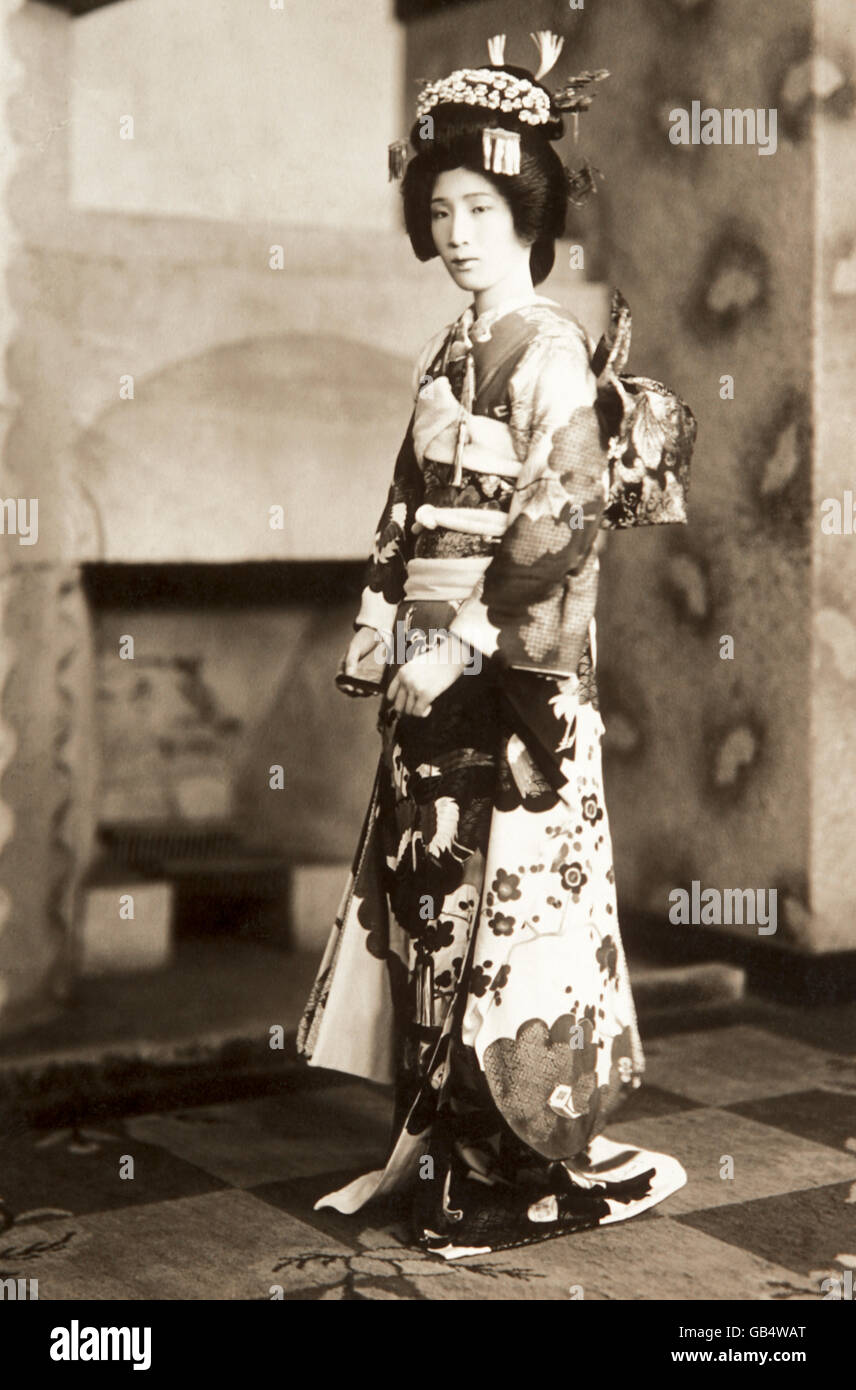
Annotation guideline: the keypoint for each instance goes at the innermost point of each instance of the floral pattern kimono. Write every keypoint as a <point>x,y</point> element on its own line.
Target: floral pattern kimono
<point>476,963</point>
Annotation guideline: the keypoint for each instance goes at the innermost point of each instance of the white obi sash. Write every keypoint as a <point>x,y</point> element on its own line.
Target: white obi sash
<point>450,578</point>
<point>488,446</point>
<point>469,521</point>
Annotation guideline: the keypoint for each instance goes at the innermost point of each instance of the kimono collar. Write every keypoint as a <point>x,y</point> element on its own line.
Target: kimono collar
<point>471,326</point>
<point>468,329</point>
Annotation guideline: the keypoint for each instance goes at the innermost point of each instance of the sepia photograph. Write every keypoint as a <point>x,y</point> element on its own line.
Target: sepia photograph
<point>428,668</point>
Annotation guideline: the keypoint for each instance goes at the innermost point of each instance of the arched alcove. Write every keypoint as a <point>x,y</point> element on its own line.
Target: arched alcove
<point>189,469</point>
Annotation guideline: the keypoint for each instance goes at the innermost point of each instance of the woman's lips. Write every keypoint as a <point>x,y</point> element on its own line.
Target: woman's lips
<point>464,262</point>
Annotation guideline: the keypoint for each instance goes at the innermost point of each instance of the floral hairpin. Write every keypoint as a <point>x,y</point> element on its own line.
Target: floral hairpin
<point>496,90</point>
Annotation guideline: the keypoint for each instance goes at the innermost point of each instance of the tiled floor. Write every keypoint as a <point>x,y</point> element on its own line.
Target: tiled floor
<point>216,1201</point>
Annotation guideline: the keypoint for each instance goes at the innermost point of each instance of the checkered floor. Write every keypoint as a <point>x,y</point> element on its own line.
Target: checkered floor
<point>215,1202</point>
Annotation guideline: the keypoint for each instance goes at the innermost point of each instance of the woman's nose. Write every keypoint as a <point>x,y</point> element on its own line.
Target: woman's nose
<point>457,231</point>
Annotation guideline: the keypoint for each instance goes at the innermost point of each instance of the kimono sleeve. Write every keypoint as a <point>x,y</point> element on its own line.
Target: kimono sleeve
<point>386,571</point>
<point>555,511</point>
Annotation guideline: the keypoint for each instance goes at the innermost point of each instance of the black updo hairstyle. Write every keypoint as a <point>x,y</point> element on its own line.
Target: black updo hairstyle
<point>537,196</point>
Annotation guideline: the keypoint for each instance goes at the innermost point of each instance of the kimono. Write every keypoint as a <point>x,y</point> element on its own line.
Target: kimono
<point>476,963</point>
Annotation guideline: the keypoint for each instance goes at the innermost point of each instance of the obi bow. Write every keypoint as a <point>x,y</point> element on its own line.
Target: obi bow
<point>651,434</point>
<point>647,431</point>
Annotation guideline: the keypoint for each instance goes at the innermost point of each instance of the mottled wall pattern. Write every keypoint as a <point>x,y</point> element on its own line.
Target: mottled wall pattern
<point>834,571</point>
<point>710,764</point>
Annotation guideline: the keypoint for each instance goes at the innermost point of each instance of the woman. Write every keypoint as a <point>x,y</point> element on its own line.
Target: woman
<point>477,963</point>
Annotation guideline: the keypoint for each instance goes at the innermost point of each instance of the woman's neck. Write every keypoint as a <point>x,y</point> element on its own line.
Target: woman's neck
<point>516,285</point>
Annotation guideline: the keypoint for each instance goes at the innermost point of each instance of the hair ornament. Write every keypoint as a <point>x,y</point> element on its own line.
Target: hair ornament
<point>581,183</point>
<point>397,159</point>
<point>549,47</point>
<point>506,102</point>
<point>501,150</point>
<point>491,89</point>
<point>574,98</point>
<point>496,50</point>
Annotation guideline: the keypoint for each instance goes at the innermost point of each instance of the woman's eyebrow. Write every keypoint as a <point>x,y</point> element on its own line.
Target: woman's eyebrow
<point>476,194</point>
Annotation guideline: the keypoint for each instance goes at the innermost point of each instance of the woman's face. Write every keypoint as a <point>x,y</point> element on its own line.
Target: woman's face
<point>474,231</point>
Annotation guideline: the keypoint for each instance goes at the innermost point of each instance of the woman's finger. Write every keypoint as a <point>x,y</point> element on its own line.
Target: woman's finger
<point>420,705</point>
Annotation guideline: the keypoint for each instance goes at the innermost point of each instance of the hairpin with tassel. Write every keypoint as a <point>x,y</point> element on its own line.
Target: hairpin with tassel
<point>574,98</point>
<point>501,150</point>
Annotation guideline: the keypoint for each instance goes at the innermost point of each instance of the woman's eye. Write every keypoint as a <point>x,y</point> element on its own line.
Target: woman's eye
<point>481,208</point>
<point>436,214</point>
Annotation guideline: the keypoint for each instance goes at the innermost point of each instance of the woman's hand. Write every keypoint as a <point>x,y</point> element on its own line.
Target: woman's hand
<point>361,645</point>
<point>360,672</point>
<point>417,684</point>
